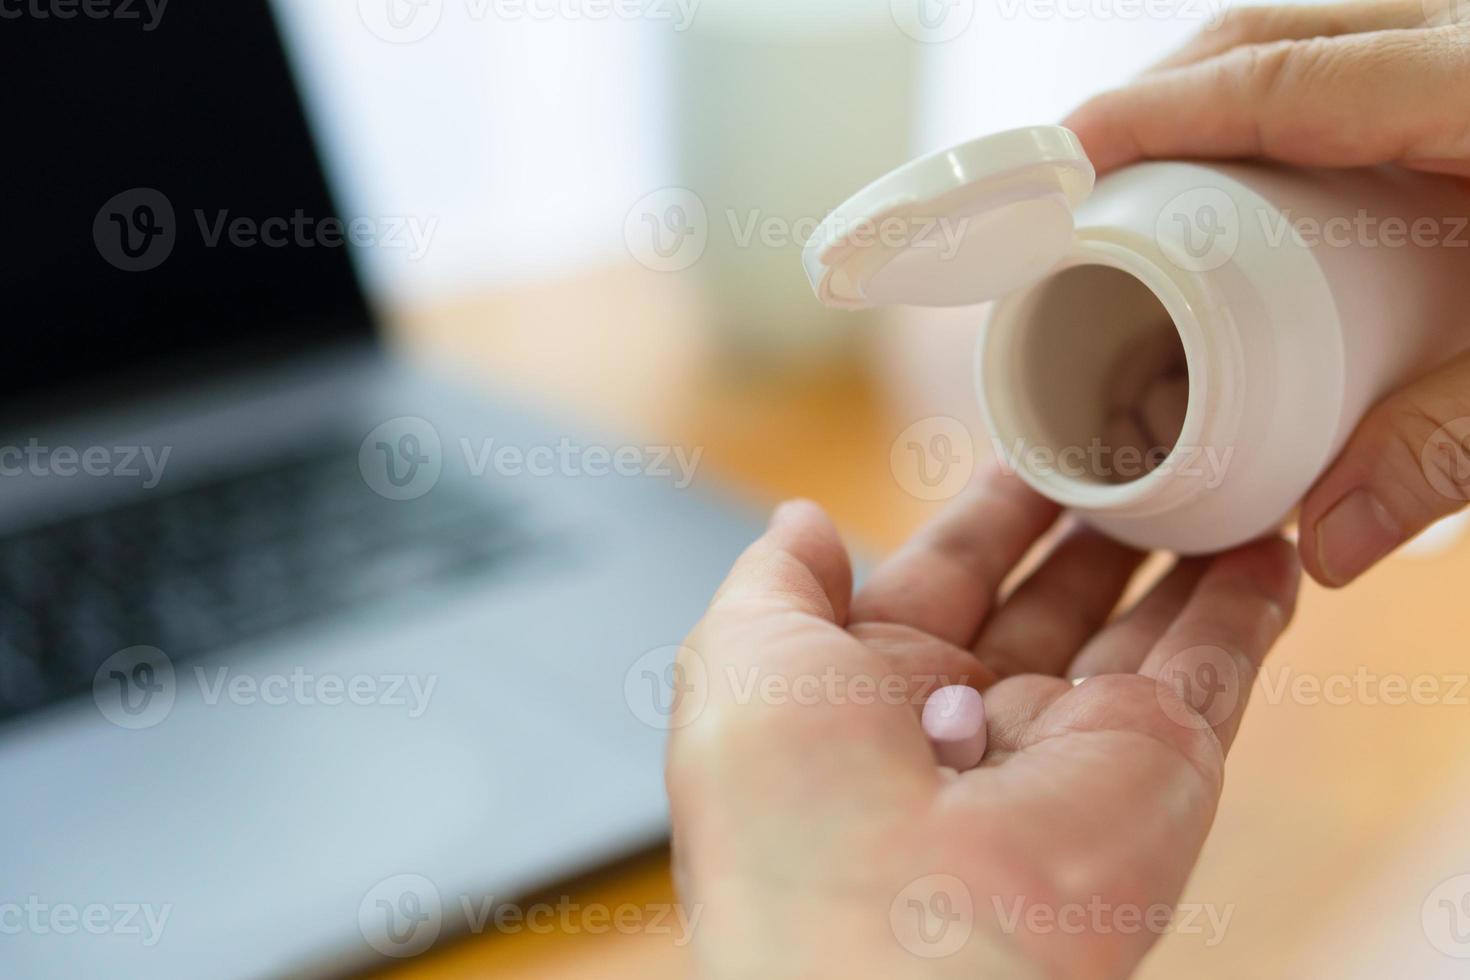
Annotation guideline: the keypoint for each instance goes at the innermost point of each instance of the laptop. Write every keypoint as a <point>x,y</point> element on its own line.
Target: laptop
<point>299,667</point>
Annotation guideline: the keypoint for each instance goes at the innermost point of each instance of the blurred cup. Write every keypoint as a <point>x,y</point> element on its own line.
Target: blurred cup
<point>784,109</point>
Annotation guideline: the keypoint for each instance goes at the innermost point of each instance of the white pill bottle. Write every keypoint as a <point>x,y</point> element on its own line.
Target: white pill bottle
<point>1298,297</point>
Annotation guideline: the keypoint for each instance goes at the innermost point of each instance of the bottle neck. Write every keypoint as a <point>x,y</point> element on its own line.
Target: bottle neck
<point>1044,365</point>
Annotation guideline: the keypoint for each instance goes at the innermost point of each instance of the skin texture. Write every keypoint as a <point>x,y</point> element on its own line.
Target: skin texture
<point>804,828</point>
<point>1346,85</point>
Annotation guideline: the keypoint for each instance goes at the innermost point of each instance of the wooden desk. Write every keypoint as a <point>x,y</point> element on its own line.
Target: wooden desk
<point>1324,799</point>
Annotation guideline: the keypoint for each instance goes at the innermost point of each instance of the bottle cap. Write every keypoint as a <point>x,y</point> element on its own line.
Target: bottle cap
<point>957,227</point>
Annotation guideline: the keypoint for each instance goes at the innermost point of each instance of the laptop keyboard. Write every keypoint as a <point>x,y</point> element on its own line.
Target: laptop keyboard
<point>225,562</point>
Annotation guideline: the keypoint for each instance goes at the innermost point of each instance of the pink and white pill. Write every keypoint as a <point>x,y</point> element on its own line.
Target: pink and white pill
<point>954,720</point>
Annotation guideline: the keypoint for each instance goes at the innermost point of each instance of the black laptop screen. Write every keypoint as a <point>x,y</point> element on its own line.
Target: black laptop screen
<point>163,197</point>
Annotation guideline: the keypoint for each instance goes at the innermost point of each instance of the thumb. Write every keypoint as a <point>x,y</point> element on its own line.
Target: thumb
<point>779,704</point>
<point>799,563</point>
<point>1406,466</point>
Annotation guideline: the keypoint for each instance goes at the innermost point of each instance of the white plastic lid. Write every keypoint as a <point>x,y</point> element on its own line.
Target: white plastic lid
<point>957,227</point>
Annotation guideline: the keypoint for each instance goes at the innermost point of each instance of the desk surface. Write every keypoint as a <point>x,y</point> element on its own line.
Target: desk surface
<point>1325,846</point>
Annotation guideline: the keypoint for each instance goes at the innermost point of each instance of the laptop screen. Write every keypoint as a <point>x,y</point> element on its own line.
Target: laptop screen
<point>163,197</point>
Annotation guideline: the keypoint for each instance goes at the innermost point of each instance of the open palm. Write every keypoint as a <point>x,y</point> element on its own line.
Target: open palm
<point>814,834</point>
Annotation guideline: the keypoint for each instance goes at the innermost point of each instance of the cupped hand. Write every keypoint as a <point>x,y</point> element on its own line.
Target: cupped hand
<point>814,834</point>
<point>1342,85</point>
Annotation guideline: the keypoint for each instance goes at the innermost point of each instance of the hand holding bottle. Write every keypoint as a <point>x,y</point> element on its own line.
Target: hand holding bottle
<point>1344,85</point>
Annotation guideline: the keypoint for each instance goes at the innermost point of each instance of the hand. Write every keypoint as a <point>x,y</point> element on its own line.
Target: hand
<point>1347,85</point>
<point>815,836</point>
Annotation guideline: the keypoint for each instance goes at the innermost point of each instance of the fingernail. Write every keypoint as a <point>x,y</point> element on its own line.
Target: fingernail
<point>1355,534</point>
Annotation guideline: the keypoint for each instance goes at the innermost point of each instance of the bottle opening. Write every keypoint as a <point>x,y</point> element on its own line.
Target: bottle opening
<point>1100,378</point>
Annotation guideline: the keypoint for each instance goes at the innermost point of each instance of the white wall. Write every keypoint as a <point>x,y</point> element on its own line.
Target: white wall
<point>527,138</point>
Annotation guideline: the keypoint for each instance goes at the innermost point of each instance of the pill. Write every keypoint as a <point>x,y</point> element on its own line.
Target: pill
<point>1162,411</point>
<point>954,721</point>
<point>1156,355</point>
<point>1127,447</point>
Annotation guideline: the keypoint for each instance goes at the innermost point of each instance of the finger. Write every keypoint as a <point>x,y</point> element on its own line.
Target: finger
<point>1012,707</point>
<point>1208,658</point>
<point>1120,647</point>
<point>1053,612</point>
<point>1349,101</point>
<point>774,699</point>
<point>919,664</point>
<point>1445,13</point>
<point>775,621</point>
<point>1406,466</point>
<point>800,563</point>
<point>944,580</point>
<point>1260,25</point>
